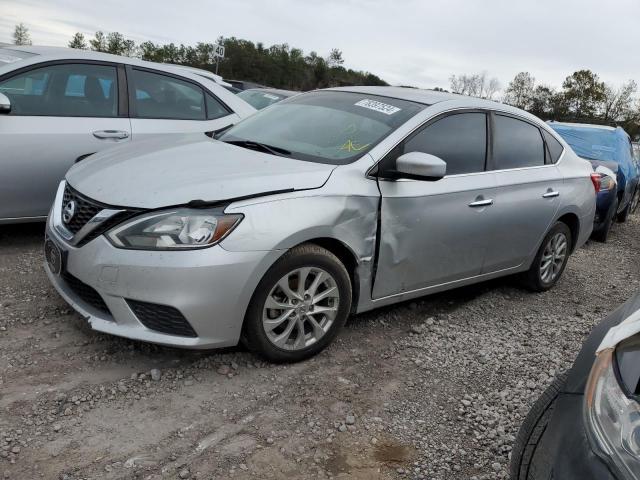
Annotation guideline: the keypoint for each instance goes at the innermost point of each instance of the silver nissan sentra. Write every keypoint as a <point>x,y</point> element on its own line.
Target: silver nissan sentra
<point>326,204</point>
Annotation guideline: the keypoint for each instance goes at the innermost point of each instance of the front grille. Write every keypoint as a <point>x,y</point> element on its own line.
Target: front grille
<point>86,293</point>
<point>85,209</point>
<point>162,318</point>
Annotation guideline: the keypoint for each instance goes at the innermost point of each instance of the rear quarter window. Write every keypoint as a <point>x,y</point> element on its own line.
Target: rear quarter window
<point>554,146</point>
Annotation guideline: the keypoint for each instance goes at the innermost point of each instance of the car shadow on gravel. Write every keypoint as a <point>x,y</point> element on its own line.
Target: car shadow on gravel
<point>21,234</point>
<point>442,302</point>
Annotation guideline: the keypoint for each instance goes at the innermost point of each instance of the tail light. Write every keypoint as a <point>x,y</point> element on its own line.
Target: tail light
<point>595,179</point>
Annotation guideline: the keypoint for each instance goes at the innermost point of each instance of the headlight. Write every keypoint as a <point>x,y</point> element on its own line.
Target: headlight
<point>180,229</point>
<point>612,419</point>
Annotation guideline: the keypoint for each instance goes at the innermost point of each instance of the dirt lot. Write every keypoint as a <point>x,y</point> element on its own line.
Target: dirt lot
<point>429,389</point>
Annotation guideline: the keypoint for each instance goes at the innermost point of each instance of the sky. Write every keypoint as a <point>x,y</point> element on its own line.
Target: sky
<point>408,42</point>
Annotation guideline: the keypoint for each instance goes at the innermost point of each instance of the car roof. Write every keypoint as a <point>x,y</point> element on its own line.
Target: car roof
<point>45,53</point>
<point>63,52</point>
<point>201,71</point>
<point>418,95</point>
<point>284,93</point>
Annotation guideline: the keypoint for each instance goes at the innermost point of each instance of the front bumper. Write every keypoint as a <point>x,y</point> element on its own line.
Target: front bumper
<point>210,287</point>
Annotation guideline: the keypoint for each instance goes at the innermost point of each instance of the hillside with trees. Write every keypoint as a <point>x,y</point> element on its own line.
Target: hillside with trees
<point>279,66</point>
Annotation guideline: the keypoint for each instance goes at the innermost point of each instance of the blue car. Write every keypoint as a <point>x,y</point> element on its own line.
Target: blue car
<point>611,153</point>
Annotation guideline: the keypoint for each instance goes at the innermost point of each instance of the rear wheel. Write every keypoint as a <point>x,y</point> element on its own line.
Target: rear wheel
<point>551,259</point>
<point>532,430</point>
<point>299,306</point>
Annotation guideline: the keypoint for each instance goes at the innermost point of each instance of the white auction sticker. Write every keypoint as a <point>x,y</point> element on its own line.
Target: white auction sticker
<point>271,97</point>
<point>378,106</point>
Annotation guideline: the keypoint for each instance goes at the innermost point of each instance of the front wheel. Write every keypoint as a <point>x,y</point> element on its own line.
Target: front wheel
<point>523,454</point>
<point>551,259</point>
<point>299,306</point>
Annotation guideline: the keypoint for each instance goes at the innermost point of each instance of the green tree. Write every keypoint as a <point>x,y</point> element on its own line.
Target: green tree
<point>583,92</point>
<point>618,102</point>
<point>118,45</point>
<point>78,42</point>
<point>335,58</point>
<point>21,35</point>
<point>542,102</point>
<point>149,51</point>
<point>99,42</point>
<point>519,93</point>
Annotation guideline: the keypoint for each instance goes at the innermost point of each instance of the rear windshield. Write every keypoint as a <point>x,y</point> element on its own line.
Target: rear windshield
<point>325,126</point>
<point>593,143</point>
<point>10,56</point>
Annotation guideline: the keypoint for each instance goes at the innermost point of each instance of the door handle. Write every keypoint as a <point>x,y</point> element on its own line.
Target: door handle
<point>117,134</point>
<point>482,203</point>
<point>550,194</point>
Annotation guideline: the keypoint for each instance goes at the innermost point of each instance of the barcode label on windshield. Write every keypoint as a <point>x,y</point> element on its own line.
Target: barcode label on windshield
<point>378,106</point>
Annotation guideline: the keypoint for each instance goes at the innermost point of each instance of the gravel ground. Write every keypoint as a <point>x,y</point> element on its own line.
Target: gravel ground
<point>432,389</point>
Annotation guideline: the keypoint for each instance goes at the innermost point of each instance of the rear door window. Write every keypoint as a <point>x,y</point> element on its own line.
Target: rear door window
<point>165,97</point>
<point>516,144</point>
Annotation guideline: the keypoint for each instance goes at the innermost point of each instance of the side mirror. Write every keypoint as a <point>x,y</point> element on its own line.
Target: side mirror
<point>5,103</point>
<point>420,166</point>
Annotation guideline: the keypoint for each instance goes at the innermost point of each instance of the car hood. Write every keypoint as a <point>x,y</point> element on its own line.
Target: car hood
<point>176,170</point>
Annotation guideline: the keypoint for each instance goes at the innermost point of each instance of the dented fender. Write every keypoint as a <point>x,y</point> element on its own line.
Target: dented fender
<point>342,210</point>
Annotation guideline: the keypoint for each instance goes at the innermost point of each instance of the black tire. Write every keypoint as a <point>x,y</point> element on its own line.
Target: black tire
<point>624,214</point>
<point>532,279</point>
<point>635,201</point>
<point>602,234</point>
<point>532,429</point>
<point>306,255</point>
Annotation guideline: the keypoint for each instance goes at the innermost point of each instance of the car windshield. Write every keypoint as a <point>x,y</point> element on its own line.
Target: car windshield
<point>326,126</point>
<point>260,99</point>
<point>592,143</point>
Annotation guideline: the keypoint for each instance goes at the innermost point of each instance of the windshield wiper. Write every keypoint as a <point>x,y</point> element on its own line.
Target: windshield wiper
<point>281,152</point>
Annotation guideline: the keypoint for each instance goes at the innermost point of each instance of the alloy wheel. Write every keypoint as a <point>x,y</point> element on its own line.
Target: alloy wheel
<point>553,257</point>
<point>300,308</point>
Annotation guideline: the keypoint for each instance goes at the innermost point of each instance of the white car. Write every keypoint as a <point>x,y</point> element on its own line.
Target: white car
<point>60,105</point>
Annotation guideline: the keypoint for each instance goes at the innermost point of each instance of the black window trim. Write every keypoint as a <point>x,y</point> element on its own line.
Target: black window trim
<point>122,87</point>
<point>375,170</point>
<point>132,94</point>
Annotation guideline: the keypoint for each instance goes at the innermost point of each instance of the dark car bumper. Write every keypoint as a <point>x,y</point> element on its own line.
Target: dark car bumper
<point>604,208</point>
<point>564,452</point>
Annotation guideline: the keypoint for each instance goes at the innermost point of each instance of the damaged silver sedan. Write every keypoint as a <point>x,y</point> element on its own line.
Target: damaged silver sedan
<point>326,204</point>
